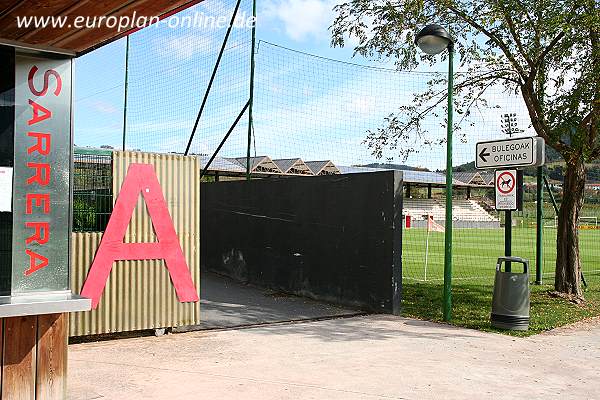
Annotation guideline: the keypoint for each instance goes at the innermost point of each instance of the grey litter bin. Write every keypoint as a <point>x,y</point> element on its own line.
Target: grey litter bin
<point>510,302</point>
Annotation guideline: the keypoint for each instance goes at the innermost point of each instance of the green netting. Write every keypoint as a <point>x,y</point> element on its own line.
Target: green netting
<point>317,109</point>
<point>168,70</point>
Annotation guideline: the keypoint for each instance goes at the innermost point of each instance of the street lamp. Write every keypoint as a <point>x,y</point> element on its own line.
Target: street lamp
<point>432,40</point>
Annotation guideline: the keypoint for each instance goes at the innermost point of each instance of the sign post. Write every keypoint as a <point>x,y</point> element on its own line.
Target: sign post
<point>509,195</point>
<point>539,248</point>
<point>502,155</point>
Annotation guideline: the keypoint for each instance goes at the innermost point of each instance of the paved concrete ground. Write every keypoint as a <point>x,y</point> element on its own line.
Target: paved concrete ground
<point>225,303</point>
<point>351,358</point>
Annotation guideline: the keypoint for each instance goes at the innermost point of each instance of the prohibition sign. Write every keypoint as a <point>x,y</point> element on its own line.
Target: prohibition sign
<point>506,182</point>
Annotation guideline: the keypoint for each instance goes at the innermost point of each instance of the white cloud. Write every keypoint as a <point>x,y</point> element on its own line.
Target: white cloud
<point>104,107</point>
<point>183,47</point>
<point>362,105</point>
<point>302,19</point>
<point>195,31</point>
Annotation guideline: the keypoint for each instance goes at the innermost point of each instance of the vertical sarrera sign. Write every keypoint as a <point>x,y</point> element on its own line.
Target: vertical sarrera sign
<point>42,175</point>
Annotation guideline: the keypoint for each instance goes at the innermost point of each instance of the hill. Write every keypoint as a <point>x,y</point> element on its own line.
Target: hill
<point>398,167</point>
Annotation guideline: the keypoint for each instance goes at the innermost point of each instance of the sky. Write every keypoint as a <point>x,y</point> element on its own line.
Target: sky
<point>314,108</point>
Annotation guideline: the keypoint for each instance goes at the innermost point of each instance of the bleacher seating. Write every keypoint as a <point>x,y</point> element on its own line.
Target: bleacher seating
<point>420,208</point>
<point>462,210</point>
<point>470,210</point>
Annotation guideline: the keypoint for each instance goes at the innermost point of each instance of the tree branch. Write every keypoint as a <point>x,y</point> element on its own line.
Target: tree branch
<point>548,48</point>
<point>397,129</point>
<point>516,38</point>
<point>595,111</point>
<point>481,92</point>
<point>525,11</point>
<point>503,46</point>
<point>535,114</point>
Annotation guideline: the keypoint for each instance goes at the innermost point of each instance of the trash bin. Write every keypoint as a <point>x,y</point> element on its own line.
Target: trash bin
<point>510,301</point>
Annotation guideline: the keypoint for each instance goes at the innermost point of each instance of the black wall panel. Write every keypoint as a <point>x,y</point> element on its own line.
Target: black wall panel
<point>7,118</point>
<point>334,238</point>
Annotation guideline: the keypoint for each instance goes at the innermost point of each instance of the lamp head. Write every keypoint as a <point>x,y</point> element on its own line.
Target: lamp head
<point>433,39</point>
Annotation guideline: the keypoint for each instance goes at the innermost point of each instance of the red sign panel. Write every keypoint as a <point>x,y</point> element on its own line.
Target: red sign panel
<point>506,190</point>
<point>140,178</point>
<point>506,182</point>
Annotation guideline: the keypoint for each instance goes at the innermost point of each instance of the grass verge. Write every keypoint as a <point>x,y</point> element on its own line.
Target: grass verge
<point>471,306</point>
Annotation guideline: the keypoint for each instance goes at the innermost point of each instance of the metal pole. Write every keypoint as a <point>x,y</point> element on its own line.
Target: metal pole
<point>551,195</point>
<point>539,250</point>
<point>251,107</point>
<point>427,245</point>
<point>448,228</point>
<point>212,77</point>
<point>126,87</point>
<point>508,238</point>
<point>208,164</point>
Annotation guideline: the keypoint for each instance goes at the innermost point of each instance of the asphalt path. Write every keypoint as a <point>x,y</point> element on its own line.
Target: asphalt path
<point>365,357</point>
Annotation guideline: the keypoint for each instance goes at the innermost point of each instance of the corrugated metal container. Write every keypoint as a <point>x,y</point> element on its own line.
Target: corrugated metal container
<point>139,294</point>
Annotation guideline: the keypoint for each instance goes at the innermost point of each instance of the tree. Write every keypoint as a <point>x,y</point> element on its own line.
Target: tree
<point>548,51</point>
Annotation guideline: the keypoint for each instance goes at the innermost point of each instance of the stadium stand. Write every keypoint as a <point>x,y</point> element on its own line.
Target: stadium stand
<point>472,178</point>
<point>466,213</point>
<point>476,178</point>
<point>222,165</point>
<point>420,208</point>
<point>293,166</point>
<point>265,166</point>
<point>323,168</point>
<point>488,176</point>
<point>470,210</point>
<point>259,165</point>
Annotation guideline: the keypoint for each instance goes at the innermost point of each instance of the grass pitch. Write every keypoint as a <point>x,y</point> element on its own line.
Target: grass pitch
<point>475,252</point>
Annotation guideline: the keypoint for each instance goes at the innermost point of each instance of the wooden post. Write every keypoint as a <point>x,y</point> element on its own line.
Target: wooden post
<point>51,382</point>
<point>18,361</point>
<point>34,357</point>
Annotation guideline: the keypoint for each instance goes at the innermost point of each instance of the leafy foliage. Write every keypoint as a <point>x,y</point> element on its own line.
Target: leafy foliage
<point>546,50</point>
<point>84,216</point>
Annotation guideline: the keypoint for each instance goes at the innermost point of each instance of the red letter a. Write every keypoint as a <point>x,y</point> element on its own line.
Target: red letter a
<point>36,117</point>
<point>140,178</point>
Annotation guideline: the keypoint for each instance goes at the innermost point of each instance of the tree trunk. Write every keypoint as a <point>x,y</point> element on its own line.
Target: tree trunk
<point>568,263</point>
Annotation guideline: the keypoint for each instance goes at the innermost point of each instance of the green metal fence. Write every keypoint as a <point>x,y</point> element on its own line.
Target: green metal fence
<point>92,190</point>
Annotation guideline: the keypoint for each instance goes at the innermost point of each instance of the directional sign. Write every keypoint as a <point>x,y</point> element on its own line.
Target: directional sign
<point>519,152</point>
<point>507,189</point>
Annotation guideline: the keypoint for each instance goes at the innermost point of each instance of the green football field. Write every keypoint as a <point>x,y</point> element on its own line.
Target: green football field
<point>475,252</point>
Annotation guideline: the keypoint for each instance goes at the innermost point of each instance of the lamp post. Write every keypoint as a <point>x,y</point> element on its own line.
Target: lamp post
<point>433,39</point>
